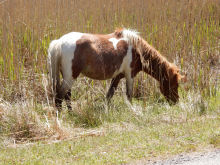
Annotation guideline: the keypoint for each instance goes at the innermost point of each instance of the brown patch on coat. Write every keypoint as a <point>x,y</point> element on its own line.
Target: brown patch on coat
<point>136,64</point>
<point>96,58</point>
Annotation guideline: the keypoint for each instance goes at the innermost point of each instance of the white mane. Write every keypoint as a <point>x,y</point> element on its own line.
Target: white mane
<point>131,36</point>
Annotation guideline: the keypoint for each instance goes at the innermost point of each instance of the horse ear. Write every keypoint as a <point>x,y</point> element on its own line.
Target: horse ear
<point>182,78</point>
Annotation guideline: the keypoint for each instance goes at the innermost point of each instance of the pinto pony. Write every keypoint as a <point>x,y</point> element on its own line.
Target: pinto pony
<point>118,55</point>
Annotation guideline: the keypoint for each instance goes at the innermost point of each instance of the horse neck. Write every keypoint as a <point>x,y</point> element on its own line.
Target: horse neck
<point>154,63</point>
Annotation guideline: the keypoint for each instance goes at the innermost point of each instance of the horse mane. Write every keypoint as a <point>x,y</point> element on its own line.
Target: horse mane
<point>153,61</point>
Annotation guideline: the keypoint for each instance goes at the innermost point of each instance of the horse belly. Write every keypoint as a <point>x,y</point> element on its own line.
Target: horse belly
<point>107,67</point>
<point>99,72</point>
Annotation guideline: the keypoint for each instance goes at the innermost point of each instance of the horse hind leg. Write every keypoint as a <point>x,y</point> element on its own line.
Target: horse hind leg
<point>67,84</point>
<point>65,93</point>
<point>58,102</point>
<point>68,100</point>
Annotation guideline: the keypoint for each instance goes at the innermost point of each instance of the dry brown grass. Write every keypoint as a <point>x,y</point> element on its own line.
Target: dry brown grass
<point>186,32</point>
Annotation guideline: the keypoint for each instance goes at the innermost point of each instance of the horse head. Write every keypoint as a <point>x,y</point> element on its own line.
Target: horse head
<point>169,85</point>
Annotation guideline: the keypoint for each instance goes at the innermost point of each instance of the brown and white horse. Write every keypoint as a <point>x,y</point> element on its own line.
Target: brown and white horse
<point>118,55</point>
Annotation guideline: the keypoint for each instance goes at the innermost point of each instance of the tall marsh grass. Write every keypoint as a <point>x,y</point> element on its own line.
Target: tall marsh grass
<point>185,32</point>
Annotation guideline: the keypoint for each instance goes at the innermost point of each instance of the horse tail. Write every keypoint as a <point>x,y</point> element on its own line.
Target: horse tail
<point>54,57</point>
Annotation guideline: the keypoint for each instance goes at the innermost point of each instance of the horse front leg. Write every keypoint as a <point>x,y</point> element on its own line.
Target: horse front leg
<point>129,87</point>
<point>58,102</point>
<point>113,86</point>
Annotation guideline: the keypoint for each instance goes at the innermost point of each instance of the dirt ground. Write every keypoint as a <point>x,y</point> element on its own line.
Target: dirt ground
<point>210,157</point>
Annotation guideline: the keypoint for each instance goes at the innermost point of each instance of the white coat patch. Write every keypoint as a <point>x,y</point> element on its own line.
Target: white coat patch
<point>115,42</point>
<point>125,66</point>
<point>68,46</point>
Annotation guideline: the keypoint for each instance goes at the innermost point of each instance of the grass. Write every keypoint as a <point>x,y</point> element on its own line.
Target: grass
<point>120,143</point>
<point>118,136</point>
<point>185,32</point>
